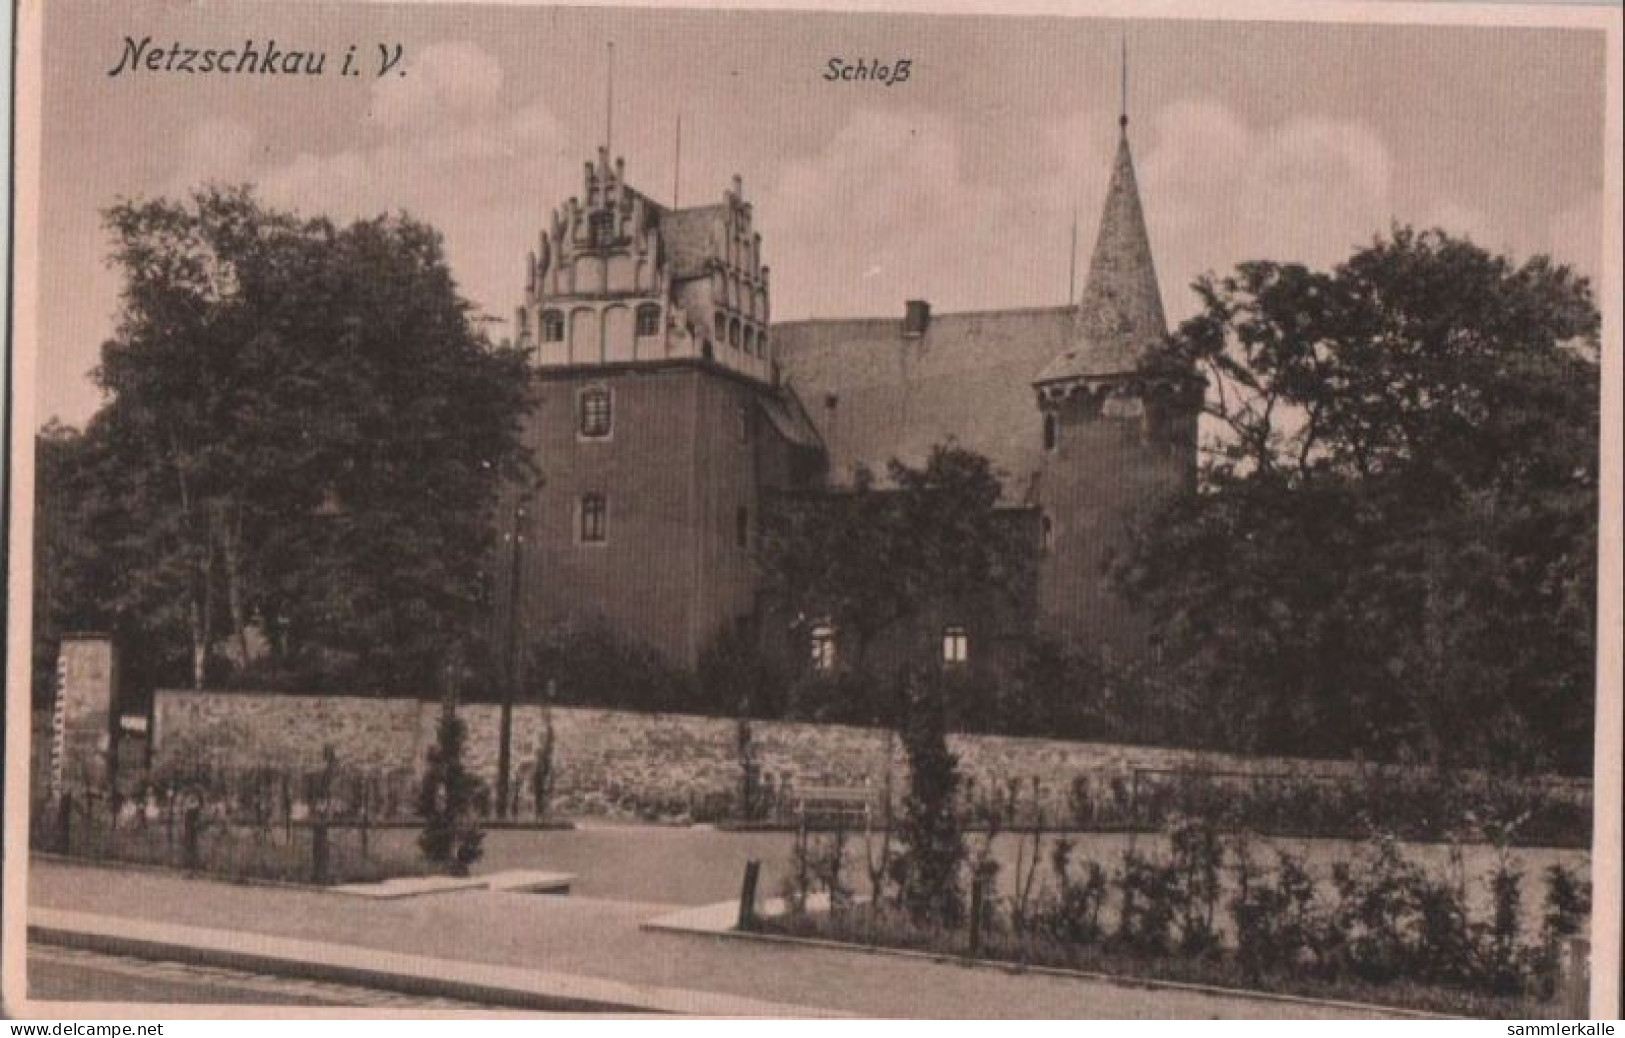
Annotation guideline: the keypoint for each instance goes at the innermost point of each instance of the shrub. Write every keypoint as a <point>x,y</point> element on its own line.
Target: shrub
<point>1148,905</point>
<point>1277,923</point>
<point>1073,915</point>
<point>1376,912</point>
<point>448,799</point>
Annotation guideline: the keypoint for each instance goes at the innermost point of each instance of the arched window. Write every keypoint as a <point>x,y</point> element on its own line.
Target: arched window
<point>648,320</point>
<point>733,333</point>
<point>594,527</point>
<point>722,326</point>
<point>1050,430</point>
<point>750,340</point>
<point>594,414</point>
<point>552,326</point>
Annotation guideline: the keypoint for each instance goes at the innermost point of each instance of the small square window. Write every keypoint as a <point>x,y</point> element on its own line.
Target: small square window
<point>552,326</point>
<point>822,646</point>
<point>955,645</point>
<point>594,519</point>
<point>648,321</point>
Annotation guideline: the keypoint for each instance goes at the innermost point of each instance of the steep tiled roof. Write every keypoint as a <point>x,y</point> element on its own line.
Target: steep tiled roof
<point>969,378</point>
<point>689,236</point>
<point>1120,312</point>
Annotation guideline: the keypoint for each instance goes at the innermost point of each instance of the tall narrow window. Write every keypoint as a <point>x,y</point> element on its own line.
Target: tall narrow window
<point>1049,430</point>
<point>742,527</point>
<point>743,416</point>
<point>955,645</point>
<point>648,320</point>
<point>602,227</point>
<point>722,326</point>
<point>552,326</point>
<point>594,519</point>
<point>1046,532</point>
<point>596,417</point>
<point>733,334</point>
<point>823,648</point>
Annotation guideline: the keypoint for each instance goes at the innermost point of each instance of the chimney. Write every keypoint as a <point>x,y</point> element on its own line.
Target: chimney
<point>916,318</point>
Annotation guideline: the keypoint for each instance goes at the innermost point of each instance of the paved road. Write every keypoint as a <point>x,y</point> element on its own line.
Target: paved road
<point>69,974</point>
<point>603,939</point>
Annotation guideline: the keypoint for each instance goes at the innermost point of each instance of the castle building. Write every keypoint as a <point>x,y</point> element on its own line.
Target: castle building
<point>671,407</point>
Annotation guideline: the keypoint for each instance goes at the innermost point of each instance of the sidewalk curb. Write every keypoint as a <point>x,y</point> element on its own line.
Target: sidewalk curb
<point>708,921</point>
<point>497,986</point>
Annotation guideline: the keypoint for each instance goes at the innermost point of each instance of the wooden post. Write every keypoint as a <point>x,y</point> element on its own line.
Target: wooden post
<point>747,895</point>
<point>1574,988</point>
<point>64,823</point>
<point>978,896</point>
<point>189,837</point>
<point>318,852</point>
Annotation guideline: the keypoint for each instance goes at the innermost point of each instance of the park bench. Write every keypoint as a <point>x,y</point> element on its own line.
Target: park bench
<point>833,805</point>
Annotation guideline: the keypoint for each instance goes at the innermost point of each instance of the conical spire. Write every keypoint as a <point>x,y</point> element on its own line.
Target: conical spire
<point>1119,314</point>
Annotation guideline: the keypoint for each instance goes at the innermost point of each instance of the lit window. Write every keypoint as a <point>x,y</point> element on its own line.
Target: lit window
<point>1049,431</point>
<point>552,326</point>
<point>742,527</point>
<point>823,647</point>
<point>955,645</point>
<point>594,519</point>
<point>648,320</point>
<point>595,417</point>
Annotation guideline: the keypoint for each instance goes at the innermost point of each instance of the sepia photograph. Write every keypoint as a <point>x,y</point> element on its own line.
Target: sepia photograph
<point>1103,512</point>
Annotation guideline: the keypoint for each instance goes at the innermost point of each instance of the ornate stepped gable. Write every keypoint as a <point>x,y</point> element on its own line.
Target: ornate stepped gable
<point>620,278</point>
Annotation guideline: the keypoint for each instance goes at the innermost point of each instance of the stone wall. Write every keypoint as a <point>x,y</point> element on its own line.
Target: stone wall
<point>619,763</point>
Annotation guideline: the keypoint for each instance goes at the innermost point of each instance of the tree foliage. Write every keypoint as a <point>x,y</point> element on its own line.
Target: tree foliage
<point>1394,550</point>
<point>927,867</point>
<point>299,451</point>
<point>871,558</point>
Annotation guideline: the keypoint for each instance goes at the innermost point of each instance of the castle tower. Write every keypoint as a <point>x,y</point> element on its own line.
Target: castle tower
<point>659,423</point>
<point>1115,440</point>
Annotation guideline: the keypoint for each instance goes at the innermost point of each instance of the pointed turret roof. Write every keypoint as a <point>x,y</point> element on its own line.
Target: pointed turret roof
<point>1119,316</point>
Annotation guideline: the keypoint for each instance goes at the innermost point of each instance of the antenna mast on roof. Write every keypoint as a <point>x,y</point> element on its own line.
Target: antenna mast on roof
<point>1072,275</point>
<point>609,105</point>
<point>1122,117</point>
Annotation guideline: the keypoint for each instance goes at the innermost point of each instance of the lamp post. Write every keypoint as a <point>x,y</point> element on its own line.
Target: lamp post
<point>510,682</point>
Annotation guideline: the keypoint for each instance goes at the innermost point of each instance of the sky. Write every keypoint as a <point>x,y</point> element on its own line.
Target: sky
<point>1286,141</point>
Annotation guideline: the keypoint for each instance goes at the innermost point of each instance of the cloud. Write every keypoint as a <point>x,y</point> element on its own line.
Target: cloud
<point>1219,190</point>
<point>213,151</point>
<point>441,83</point>
<point>905,205</point>
<point>1574,234</point>
<point>442,148</point>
